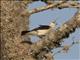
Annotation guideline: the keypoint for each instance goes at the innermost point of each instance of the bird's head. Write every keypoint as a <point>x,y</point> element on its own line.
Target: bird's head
<point>53,24</point>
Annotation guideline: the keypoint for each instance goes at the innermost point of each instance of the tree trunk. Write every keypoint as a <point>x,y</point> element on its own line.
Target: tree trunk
<point>12,23</point>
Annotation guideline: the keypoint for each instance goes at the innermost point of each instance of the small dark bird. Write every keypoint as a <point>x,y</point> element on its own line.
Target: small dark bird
<point>40,31</point>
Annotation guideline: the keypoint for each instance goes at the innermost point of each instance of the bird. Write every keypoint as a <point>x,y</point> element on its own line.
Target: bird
<point>40,31</point>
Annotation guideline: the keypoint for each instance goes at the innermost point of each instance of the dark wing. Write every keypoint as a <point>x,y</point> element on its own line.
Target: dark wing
<point>24,32</point>
<point>41,27</point>
<point>44,25</point>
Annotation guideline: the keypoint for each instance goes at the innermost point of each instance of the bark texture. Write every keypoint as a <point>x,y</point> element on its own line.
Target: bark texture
<point>12,23</point>
<point>14,19</point>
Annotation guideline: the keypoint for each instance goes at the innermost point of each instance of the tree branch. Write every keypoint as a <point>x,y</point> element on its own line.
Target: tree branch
<point>45,7</point>
<point>60,4</point>
<point>56,37</point>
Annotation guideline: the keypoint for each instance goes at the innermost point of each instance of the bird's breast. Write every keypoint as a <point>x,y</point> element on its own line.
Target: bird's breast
<point>42,32</point>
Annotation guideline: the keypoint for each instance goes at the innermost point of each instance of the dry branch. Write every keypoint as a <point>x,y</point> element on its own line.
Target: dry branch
<point>59,4</point>
<point>70,4</point>
<point>56,37</point>
<point>45,7</point>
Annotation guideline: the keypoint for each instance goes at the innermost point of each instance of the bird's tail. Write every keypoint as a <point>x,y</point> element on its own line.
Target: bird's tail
<point>24,32</point>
